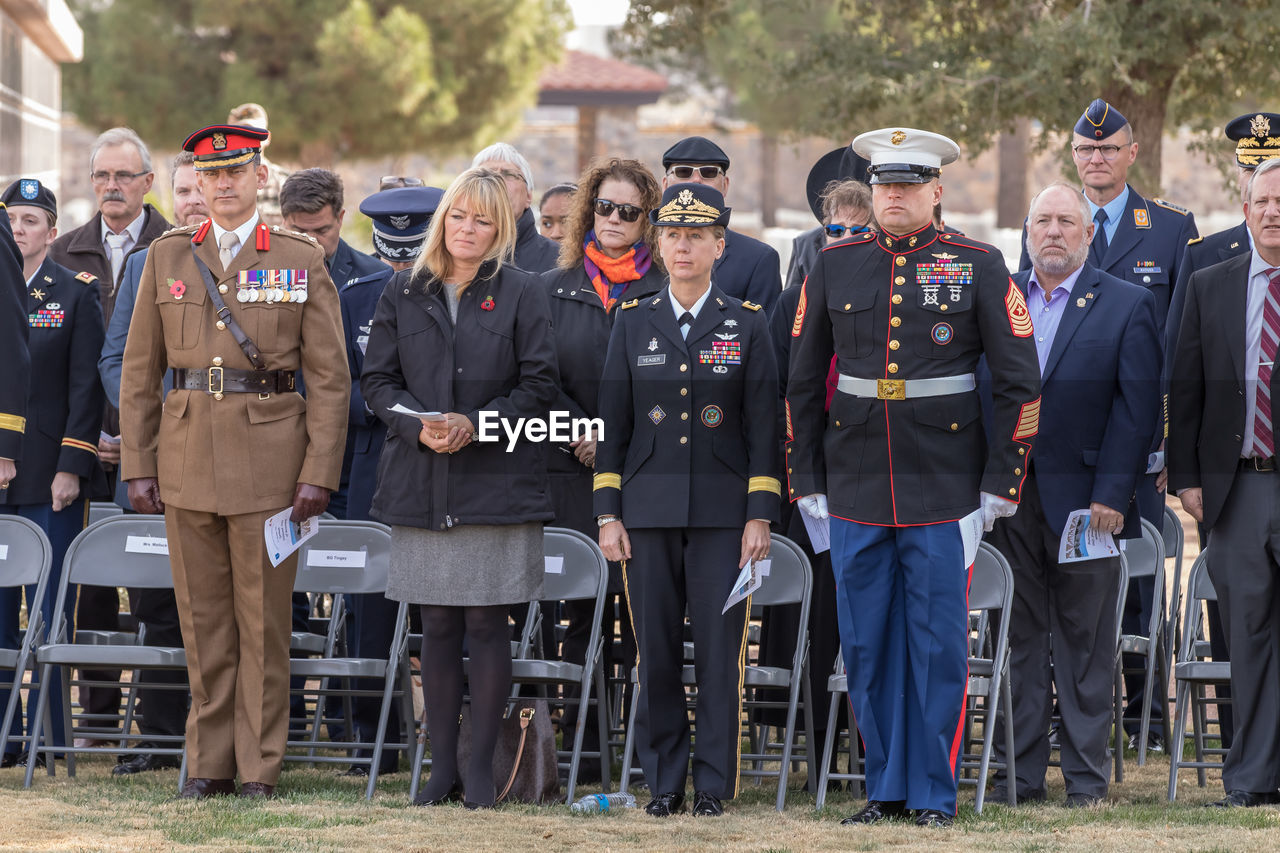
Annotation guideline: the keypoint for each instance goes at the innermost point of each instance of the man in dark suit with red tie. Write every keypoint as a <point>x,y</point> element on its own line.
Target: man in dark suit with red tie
<point>1222,464</point>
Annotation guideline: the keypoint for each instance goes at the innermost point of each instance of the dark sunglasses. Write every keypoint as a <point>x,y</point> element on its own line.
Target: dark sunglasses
<point>837,231</point>
<point>684,173</point>
<point>626,212</point>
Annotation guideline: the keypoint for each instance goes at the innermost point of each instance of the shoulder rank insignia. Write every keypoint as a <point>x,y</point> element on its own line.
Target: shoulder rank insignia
<point>86,277</point>
<point>631,304</point>
<point>1194,240</point>
<point>750,306</point>
<point>1170,206</point>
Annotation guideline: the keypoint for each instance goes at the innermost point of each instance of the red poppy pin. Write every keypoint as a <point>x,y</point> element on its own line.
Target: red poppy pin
<point>487,305</point>
<point>177,288</point>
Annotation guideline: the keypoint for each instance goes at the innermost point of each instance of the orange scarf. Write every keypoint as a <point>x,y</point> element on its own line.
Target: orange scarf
<point>610,276</point>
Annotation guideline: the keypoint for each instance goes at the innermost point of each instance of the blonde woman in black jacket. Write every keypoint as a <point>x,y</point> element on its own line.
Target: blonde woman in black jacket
<point>462,333</point>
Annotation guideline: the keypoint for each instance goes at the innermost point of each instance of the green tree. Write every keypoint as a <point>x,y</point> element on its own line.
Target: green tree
<point>971,68</point>
<point>338,77</point>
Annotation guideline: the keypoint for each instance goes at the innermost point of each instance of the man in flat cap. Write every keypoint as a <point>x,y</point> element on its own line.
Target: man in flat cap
<point>238,310</point>
<point>902,458</point>
<point>748,269</point>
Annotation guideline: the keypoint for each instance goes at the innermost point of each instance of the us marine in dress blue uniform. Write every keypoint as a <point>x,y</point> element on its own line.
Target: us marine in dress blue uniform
<point>688,465</point>
<point>901,456</point>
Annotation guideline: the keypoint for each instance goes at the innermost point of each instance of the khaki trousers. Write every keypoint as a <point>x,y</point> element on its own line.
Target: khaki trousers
<point>235,612</point>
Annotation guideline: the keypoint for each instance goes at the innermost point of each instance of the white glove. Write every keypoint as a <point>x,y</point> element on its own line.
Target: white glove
<point>994,507</point>
<point>815,506</point>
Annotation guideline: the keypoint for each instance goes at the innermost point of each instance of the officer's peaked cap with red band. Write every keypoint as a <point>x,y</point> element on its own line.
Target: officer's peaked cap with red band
<point>220,146</point>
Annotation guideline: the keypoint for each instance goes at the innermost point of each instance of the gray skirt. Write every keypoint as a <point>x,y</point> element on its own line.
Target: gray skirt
<point>468,566</point>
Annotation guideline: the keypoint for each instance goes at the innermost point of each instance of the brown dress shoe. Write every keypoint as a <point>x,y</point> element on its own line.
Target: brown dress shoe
<point>257,791</point>
<point>198,789</point>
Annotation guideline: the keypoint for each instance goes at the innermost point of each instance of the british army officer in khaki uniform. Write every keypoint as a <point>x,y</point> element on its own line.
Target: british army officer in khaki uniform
<point>233,444</point>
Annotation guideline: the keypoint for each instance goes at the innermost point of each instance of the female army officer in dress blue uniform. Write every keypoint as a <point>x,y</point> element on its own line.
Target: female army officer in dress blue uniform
<point>59,467</point>
<point>685,490</point>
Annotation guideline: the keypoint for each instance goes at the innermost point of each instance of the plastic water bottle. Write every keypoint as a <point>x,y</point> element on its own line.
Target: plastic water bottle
<point>593,803</point>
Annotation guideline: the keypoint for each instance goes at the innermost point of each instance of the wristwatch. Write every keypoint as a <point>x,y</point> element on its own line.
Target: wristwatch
<point>602,520</point>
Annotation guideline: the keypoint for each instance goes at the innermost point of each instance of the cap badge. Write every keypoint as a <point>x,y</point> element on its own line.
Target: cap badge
<point>219,141</point>
<point>399,222</point>
<point>1260,126</point>
<point>31,188</point>
<point>685,197</point>
<point>898,137</point>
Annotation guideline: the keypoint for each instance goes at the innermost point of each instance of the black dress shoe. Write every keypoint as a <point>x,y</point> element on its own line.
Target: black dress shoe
<point>665,805</point>
<point>877,810</point>
<point>1082,801</point>
<point>145,762</point>
<point>473,807</point>
<point>10,759</point>
<point>199,789</point>
<point>706,805</point>
<point>933,817</point>
<point>257,791</point>
<point>1245,799</point>
<point>1155,742</point>
<point>453,795</point>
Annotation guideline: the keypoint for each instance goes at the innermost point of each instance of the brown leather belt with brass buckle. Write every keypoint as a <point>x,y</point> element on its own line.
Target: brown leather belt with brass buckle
<point>1263,464</point>
<point>228,380</point>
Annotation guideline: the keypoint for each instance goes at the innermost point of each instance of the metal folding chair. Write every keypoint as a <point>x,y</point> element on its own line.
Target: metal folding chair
<point>1192,674</point>
<point>350,558</point>
<point>130,551</point>
<point>25,558</point>
<point>1141,558</point>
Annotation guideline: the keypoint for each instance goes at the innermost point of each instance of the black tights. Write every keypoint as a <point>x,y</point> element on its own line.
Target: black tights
<point>489,647</point>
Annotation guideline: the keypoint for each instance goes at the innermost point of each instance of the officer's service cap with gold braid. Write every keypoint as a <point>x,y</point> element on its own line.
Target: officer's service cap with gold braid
<point>691,206</point>
<point>1257,138</point>
<point>221,146</point>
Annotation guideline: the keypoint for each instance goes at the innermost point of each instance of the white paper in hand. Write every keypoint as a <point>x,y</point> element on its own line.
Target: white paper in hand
<point>1081,542</point>
<point>970,535</point>
<point>747,582</point>
<point>819,530</point>
<point>283,536</point>
<point>405,410</point>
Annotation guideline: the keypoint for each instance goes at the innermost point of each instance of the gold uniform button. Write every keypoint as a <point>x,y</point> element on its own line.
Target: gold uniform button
<point>899,281</point>
<point>218,396</point>
<point>683,368</point>
<point>893,368</point>
<point>894,344</point>
<point>788,470</point>
<point>955,427</point>
<point>895,322</point>
<point>217,361</point>
<point>900,261</point>
<point>222,288</point>
<point>848,305</point>
<point>1013,493</point>
<point>1017,471</point>
<point>792,491</point>
<point>221,325</point>
<point>684,392</point>
<point>897,299</point>
<point>942,307</point>
<point>684,439</point>
<point>837,423</point>
<point>684,416</point>
<point>1022,451</point>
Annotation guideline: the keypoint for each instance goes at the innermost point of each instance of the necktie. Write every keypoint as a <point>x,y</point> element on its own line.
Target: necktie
<point>1099,246</point>
<point>685,322</point>
<point>115,243</point>
<point>227,245</point>
<point>1263,440</point>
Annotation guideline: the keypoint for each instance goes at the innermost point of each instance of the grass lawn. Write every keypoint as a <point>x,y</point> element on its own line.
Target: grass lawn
<point>318,810</point>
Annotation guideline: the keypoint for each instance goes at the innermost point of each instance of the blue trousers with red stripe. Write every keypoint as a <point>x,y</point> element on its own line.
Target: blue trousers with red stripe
<point>902,601</point>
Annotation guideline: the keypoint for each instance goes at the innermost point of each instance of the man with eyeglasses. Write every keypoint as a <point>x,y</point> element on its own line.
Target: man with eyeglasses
<point>747,269</point>
<point>1141,241</point>
<point>120,168</point>
<point>534,253</point>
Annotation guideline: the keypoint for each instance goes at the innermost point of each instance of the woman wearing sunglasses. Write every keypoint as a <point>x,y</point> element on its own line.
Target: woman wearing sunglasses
<point>686,486</point>
<point>607,257</point>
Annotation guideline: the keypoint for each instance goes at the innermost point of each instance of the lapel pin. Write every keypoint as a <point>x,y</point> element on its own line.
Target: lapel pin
<point>1080,303</point>
<point>487,305</point>
<point>176,288</point>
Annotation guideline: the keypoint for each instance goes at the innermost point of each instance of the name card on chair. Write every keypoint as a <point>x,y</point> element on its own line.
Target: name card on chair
<point>146,545</point>
<point>554,565</point>
<point>348,559</point>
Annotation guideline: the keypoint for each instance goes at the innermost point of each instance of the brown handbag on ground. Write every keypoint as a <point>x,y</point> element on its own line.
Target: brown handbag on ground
<point>524,760</point>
